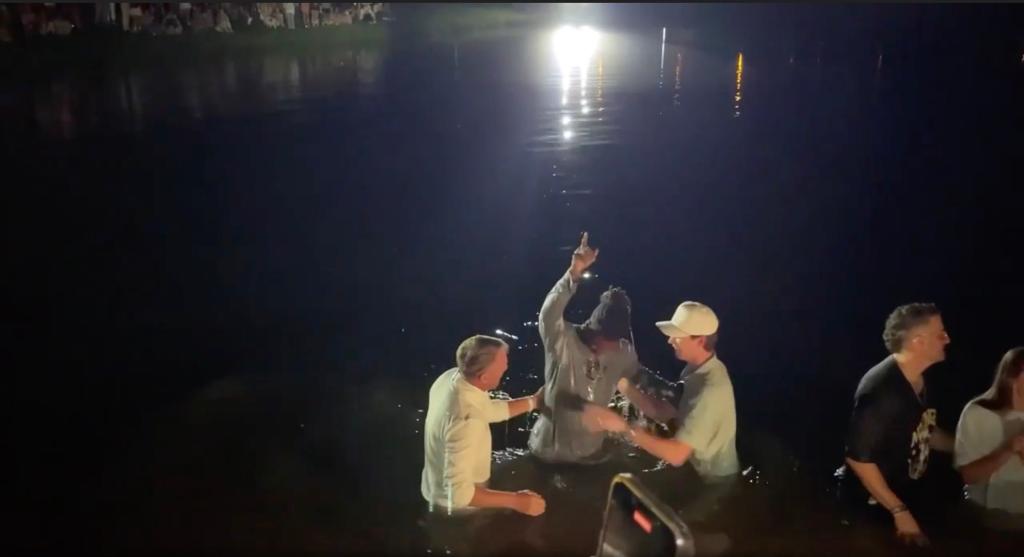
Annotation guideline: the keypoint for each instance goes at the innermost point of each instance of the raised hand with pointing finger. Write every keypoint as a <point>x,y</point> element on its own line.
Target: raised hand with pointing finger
<point>582,363</point>
<point>582,258</point>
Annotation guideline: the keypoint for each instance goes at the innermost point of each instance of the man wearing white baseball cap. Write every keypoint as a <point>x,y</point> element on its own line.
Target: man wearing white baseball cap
<point>706,412</point>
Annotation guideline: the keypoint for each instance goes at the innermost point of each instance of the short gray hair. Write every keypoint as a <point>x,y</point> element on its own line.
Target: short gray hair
<point>477,352</point>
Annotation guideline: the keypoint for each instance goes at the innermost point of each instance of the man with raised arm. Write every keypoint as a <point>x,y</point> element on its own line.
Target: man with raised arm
<point>582,363</point>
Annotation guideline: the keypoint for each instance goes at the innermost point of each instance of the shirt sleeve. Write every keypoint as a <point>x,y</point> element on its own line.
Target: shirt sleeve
<point>702,421</point>
<point>869,421</point>
<point>495,411</point>
<point>977,434</point>
<point>551,323</point>
<point>458,461</point>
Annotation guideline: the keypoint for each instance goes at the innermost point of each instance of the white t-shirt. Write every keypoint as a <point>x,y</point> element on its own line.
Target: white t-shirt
<point>289,8</point>
<point>980,432</point>
<point>457,440</point>
<point>707,419</point>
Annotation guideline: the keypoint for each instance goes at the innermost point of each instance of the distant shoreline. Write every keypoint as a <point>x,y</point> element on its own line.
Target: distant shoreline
<point>117,49</point>
<point>112,48</point>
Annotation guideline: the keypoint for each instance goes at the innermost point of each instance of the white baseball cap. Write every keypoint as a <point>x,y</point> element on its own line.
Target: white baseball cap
<point>690,318</point>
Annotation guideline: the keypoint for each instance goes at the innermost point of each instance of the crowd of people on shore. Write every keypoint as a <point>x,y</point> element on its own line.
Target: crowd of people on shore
<point>175,18</point>
<point>892,428</point>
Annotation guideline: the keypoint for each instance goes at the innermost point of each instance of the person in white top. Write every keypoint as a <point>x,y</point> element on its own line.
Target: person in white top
<point>706,413</point>
<point>289,14</point>
<point>457,432</point>
<point>989,448</point>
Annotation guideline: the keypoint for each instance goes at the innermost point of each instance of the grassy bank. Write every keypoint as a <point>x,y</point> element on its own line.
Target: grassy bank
<point>461,23</point>
<point>117,49</point>
<point>113,48</point>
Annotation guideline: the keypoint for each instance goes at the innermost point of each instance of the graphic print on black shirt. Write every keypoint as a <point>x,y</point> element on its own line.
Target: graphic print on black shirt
<point>890,426</point>
<point>919,445</point>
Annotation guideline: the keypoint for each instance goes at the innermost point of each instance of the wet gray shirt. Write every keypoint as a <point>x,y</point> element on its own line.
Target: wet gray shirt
<point>571,371</point>
<point>707,418</point>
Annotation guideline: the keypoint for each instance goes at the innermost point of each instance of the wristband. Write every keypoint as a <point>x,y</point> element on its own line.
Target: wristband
<point>898,509</point>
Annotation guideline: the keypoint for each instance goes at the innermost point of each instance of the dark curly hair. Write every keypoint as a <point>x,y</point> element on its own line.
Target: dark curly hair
<point>904,318</point>
<point>611,318</point>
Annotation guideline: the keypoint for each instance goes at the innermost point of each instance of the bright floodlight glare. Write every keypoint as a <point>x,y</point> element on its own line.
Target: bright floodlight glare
<point>587,275</point>
<point>567,134</point>
<point>565,120</point>
<point>574,46</point>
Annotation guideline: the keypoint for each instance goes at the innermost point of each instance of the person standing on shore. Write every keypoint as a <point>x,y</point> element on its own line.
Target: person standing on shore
<point>289,14</point>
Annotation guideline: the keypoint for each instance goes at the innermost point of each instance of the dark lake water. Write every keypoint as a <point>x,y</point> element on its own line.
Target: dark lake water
<point>236,278</point>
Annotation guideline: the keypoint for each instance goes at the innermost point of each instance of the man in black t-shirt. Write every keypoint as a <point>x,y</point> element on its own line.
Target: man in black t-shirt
<point>892,428</point>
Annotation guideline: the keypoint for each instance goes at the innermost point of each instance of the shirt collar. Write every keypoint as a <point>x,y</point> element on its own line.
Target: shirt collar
<point>461,383</point>
<point>690,369</point>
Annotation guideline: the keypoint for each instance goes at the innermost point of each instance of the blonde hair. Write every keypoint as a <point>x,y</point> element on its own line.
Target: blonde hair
<point>476,353</point>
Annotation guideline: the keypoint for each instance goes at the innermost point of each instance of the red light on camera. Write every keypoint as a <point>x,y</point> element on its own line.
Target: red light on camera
<point>643,521</point>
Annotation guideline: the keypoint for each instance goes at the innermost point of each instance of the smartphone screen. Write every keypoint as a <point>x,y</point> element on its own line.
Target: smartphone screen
<point>632,529</point>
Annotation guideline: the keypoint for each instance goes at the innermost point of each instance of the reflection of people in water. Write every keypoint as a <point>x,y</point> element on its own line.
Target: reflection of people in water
<point>892,429</point>
<point>581,363</point>
<point>457,433</point>
<point>989,450</point>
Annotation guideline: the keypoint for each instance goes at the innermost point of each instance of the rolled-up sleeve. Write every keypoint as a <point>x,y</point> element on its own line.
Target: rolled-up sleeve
<point>866,433</point>
<point>495,411</point>
<point>460,439</point>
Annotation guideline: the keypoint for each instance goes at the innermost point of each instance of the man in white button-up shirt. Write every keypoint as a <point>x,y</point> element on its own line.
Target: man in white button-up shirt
<point>457,432</point>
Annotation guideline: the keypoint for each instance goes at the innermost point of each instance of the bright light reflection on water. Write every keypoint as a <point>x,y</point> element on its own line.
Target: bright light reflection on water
<point>574,50</point>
